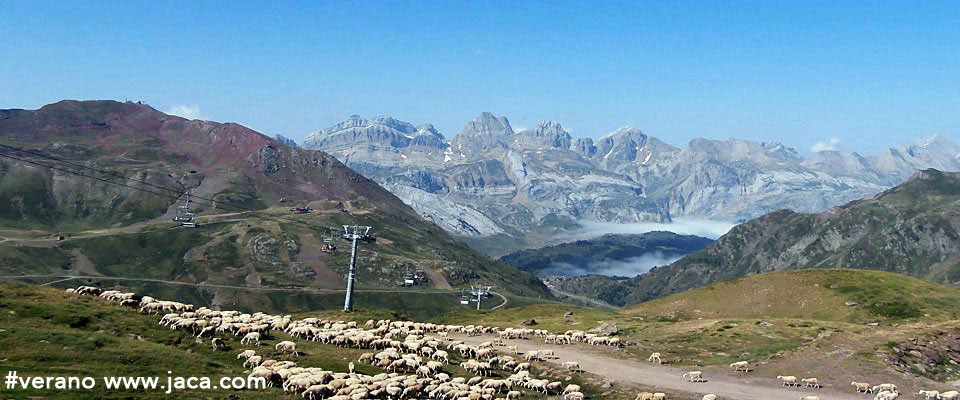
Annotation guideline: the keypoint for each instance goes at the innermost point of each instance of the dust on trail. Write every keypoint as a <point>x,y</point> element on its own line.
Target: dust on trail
<point>437,278</point>
<point>742,387</point>
<point>311,255</point>
<point>83,264</point>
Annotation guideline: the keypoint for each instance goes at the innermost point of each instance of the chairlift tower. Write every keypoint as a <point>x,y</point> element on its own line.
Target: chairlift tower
<point>353,233</point>
<point>479,292</point>
<point>185,215</point>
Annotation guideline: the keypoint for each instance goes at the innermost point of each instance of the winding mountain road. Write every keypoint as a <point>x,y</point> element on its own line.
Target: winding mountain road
<point>742,387</point>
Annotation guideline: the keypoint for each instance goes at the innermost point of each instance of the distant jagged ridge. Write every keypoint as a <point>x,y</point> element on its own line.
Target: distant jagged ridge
<point>491,179</point>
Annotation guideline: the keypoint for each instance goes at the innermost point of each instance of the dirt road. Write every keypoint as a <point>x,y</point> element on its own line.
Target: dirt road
<point>742,387</point>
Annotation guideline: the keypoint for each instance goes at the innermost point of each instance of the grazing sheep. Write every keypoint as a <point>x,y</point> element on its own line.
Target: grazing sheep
<point>862,387</point>
<point>930,394</point>
<point>253,361</point>
<point>571,388</point>
<point>573,396</point>
<point>246,354</point>
<point>351,367</point>
<point>655,357</point>
<point>886,395</point>
<point>216,343</point>
<point>659,396</point>
<point>951,395</point>
<point>286,346</point>
<point>572,366</point>
<point>886,386</point>
<point>811,383</point>
<point>255,336</point>
<point>694,376</point>
<point>710,396</point>
<point>788,380</point>
<point>740,366</point>
<point>644,396</point>
<point>513,394</point>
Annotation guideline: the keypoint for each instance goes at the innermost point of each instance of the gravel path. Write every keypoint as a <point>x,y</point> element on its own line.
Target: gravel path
<point>743,387</point>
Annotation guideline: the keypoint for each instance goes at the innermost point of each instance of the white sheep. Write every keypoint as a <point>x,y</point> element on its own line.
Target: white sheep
<point>930,394</point>
<point>740,366</point>
<point>886,386</point>
<point>659,396</point>
<point>862,387</point>
<point>886,395</point>
<point>572,366</point>
<point>788,380</point>
<point>950,395</point>
<point>655,357</point>
<point>571,388</point>
<point>286,346</point>
<point>246,354</point>
<point>253,361</point>
<point>254,336</point>
<point>811,383</point>
<point>710,396</point>
<point>694,376</point>
<point>573,396</point>
<point>810,398</point>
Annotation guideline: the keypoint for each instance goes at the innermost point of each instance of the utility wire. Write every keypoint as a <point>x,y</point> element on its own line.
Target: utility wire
<point>114,174</point>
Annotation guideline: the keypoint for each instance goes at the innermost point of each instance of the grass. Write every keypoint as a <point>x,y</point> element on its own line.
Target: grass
<point>818,294</point>
<point>46,332</point>
<point>16,259</point>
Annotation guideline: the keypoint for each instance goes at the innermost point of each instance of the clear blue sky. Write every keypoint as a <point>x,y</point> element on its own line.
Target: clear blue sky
<point>868,73</point>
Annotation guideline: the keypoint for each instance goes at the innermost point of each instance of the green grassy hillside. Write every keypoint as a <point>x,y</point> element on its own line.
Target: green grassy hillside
<point>47,332</point>
<point>820,294</point>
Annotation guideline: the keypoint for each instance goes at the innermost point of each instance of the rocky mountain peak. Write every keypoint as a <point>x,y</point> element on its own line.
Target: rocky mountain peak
<point>625,130</point>
<point>428,130</point>
<point>351,122</point>
<point>286,141</point>
<point>487,124</point>
<point>551,133</point>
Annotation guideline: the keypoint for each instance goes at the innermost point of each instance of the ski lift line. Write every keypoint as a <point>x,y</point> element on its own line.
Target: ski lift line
<point>214,203</point>
<point>178,192</point>
<point>213,285</point>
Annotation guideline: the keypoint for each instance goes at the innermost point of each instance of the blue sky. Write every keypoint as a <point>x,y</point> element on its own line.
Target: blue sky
<point>868,74</point>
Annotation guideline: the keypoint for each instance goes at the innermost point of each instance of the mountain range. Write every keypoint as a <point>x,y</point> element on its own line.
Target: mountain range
<point>107,178</point>
<point>490,180</point>
<point>911,229</point>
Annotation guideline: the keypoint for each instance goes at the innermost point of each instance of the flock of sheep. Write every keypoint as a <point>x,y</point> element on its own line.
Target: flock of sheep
<point>414,365</point>
<point>884,391</point>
